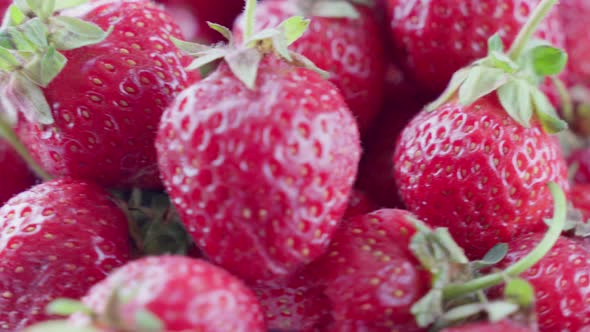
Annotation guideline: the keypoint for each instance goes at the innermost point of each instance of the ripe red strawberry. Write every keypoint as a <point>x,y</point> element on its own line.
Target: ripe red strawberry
<point>580,198</point>
<point>371,277</point>
<point>561,281</point>
<point>186,294</point>
<point>15,174</point>
<point>476,171</point>
<point>350,49</point>
<point>294,305</point>
<point>573,14</point>
<point>359,203</point>
<point>440,36</point>
<point>192,16</point>
<point>105,125</point>
<point>3,6</point>
<point>261,178</point>
<point>580,159</point>
<point>501,326</point>
<point>57,240</point>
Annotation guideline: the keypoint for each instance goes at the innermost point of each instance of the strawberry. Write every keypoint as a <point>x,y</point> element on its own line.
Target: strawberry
<point>15,175</point>
<point>57,240</point>
<point>573,14</point>
<point>580,198</point>
<point>346,43</point>
<point>261,178</point>
<point>580,160</point>
<point>192,16</point>
<point>117,89</point>
<point>439,37</point>
<point>501,326</point>
<point>561,282</point>
<point>4,5</point>
<point>371,277</point>
<point>477,159</point>
<point>183,294</point>
<point>359,203</point>
<point>294,305</point>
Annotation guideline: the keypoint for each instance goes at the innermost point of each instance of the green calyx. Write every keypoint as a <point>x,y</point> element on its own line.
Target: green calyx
<point>31,37</point>
<point>514,75</point>
<point>458,286</point>
<point>244,59</point>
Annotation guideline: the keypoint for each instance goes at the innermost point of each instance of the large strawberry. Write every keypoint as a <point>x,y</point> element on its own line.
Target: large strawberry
<point>177,293</point>
<point>439,37</point>
<point>561,281</point>
<point>56,240</point>
<point>93,111</point>
<point>342,39</point>
<point>477,160</point>
<point>14,173</point>
<point>259,158</point>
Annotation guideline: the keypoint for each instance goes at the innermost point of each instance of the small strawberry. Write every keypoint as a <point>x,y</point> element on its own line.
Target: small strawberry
<point>103,129</point>
<point>477,159</point>
<point>342,39</point>
<point>439,37</point>
<point>260,157</point>
<point>56,240</point>
<point>176,293</point>
<point>294,305</point>
<point>15,175</point>
<point>502,326</point>
<point>561,281</point>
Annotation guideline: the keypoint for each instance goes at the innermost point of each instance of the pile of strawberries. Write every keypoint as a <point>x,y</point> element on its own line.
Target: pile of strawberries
<point>294,165</point>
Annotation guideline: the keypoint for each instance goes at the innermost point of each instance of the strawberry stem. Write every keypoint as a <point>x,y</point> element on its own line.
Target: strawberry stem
<point>527,31</point>
<point>9,135</point>
<point>250,12</point>
<point>555,228</point>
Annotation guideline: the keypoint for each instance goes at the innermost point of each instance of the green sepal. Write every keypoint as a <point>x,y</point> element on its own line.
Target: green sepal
<point>515,97</point>
<point>67,4</point>
<point>8,62</point>
<point>207,57</point>
<point>59,326</point>
<point>334,9</point>
<point>22,95</point>
<point>36,32</point>
<point>146,321</point>
<point>302,61</point>
<point>293,28</point>
<point>14,38</point>
<point>67,307</point>
<point>429,308</point>
<point>456,81</point>
<point>70,33</point>
<point>547,60</point>
<point>520,291</point>
<point>42,8</point>
<point>192,49</point>
<point>13,16</point>
<point>495,311</point>
<point>225,32</point>
<point>546,113</point>
<point>492,257</point>
<point>480,82</point>
<point>244,64</point>
<point>495,44</point>
<point>44,68</point>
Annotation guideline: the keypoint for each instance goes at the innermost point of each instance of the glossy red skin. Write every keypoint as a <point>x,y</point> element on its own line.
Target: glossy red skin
<point>186,294</point>
<point>4,4</point>
<point>561,281</point>
<point>573,14</point>
<point>192,16</point>
<point>16,176</point>
<point>501,326</point>
<point>298,304</point>
<point>438,37</point>
<point>110,139</point>
<point>359,203</point>
<point>370,275</point>
<point>478,172</point>
<point>260,178</point>
<point>351,50</point>
<point>56,240</point>
<point>581,159</point>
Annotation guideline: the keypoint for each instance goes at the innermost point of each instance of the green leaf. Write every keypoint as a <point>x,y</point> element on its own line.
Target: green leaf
<point>546,113</point>
<point>293,28</point>
<point>281,47</point>
<point>36,32</point>
<point>66,4</point>
<point>59,326</point>
<point>23,6</point>
<point>51,64</point>
<point>262,35</point>
<point>14,16</point>
<point>548,60</point>
<point>147,321</point>
<point>501,61</point>
<point>428,308</point>
<point>13,38</point>
<point>458,78</point>
<point>335,9</point>
<point>66,307</point>
<point>8,62</point>
<point>42,8</point>
<point>70,33</point>
<point>520,291</point>
<point>22,95</point>
<point>225,32</point>
<point>515,97</point>
<point>495,44</point>
<point>192,49</point>
<point>244,64</point>
<point>207,57</point>
<point>480,82</point>
<point>493,256</point>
